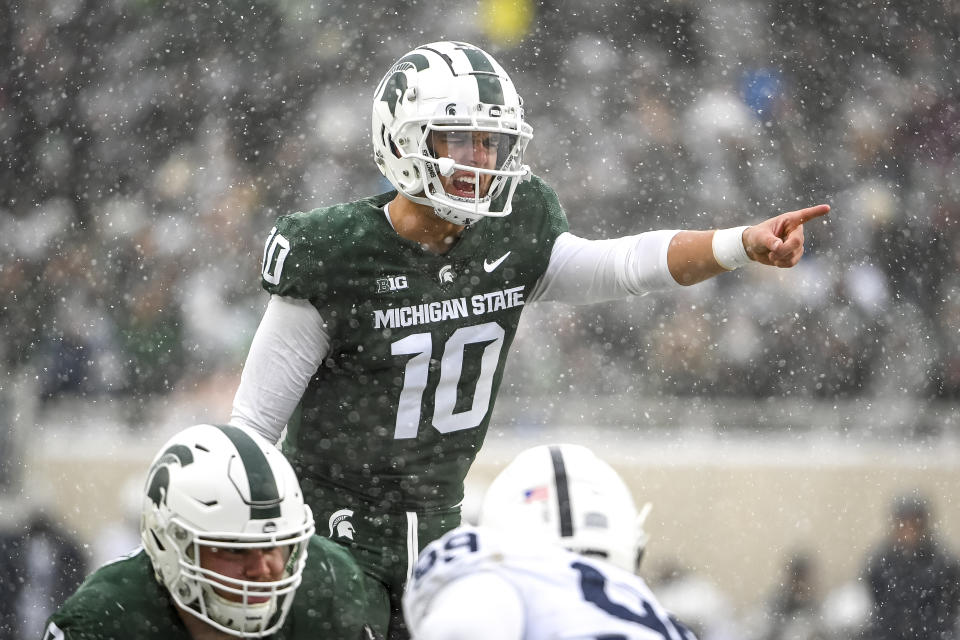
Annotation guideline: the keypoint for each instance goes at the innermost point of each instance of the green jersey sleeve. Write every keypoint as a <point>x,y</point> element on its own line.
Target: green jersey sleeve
<point>120,600</point>
<point>294,259</point>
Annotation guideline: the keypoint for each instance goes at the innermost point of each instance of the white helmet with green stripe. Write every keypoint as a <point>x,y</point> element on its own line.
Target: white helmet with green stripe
<point>458,89</point>
<point>223,490</point>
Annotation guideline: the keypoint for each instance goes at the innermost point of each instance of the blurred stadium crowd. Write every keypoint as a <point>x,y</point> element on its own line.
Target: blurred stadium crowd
<point>147,147</point>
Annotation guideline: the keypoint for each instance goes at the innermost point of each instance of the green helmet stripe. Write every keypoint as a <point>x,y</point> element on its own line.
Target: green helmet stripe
<point>488,83</point>
<point>264,494</point>
<point>478,60</point>
<point>491,91</point>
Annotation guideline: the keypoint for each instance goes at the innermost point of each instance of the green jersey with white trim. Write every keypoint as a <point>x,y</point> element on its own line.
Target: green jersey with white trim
<point>418,342</point>
<point>123,599</point>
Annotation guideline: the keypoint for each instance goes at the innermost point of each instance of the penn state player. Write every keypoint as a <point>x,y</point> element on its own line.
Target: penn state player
<point>228,551</point>
<point>553,558</point>
<point>383,345</point>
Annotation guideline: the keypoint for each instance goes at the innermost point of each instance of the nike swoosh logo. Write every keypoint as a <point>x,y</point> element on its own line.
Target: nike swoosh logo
<point>490,266</point>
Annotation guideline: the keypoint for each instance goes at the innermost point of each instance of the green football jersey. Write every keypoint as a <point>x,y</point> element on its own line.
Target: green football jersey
<point>123,600</point>
<point>399,408</point>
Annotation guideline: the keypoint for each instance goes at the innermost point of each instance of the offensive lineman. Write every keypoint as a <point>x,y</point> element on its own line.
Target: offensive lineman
<point>553,559</point>
<point>385,338</point>
<point>228,551</point>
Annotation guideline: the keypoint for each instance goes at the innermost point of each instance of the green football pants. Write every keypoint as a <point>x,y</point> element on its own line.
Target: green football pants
<point>385,544</point>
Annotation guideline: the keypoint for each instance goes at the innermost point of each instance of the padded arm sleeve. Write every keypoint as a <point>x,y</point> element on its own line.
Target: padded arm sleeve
<point>478,606</point>
<point>289,345</point>
<point>586,271</point>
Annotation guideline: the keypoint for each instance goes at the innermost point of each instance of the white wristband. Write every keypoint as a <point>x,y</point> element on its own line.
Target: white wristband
<point>728,249</point>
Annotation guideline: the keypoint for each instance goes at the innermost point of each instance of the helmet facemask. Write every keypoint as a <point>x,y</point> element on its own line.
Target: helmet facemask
<point>244,608</point>
<point>502,170</point>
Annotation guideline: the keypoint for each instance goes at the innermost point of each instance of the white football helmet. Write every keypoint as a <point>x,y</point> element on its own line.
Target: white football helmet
<point>449,87</point>
<point>224,487</point>
<point>565,494</point>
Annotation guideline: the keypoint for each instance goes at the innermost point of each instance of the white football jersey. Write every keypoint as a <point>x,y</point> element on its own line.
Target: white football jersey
<point>564,596</point>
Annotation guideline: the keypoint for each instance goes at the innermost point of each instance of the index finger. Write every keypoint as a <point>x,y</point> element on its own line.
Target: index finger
<point>805,215</point>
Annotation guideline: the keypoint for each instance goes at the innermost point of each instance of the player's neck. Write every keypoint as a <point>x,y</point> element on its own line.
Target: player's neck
<point>420,224</point>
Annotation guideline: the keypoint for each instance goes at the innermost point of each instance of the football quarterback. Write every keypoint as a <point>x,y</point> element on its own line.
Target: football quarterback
<point>228,551</point>
<point>384,342</point>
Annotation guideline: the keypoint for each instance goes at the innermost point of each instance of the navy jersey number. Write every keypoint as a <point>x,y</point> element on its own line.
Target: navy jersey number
<point>453,547</point>
<point>593,586</point>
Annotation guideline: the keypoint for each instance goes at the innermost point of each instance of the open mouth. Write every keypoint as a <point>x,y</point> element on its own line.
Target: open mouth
<point>464,185</point>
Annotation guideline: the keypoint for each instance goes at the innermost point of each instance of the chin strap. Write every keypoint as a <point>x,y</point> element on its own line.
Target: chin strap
<point>238,617</point>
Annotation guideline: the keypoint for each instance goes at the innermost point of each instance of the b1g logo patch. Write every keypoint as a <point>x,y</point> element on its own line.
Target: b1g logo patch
<point>341,526</point>
<point>391,283</point>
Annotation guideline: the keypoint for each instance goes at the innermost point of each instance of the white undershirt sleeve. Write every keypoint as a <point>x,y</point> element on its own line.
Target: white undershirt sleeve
<point>286,351</point>
<point>478,606</point>
<point>586,271</point>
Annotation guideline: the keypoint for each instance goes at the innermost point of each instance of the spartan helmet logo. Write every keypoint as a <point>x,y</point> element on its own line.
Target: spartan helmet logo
<point>446,274</point>
<point>340,525</point>
<point>159,474</point>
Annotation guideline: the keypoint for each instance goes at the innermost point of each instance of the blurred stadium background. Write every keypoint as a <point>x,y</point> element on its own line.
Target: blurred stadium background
<point>147,147</point>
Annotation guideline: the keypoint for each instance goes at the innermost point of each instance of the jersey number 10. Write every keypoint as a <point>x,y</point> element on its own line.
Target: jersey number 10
<point>416,374</point>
